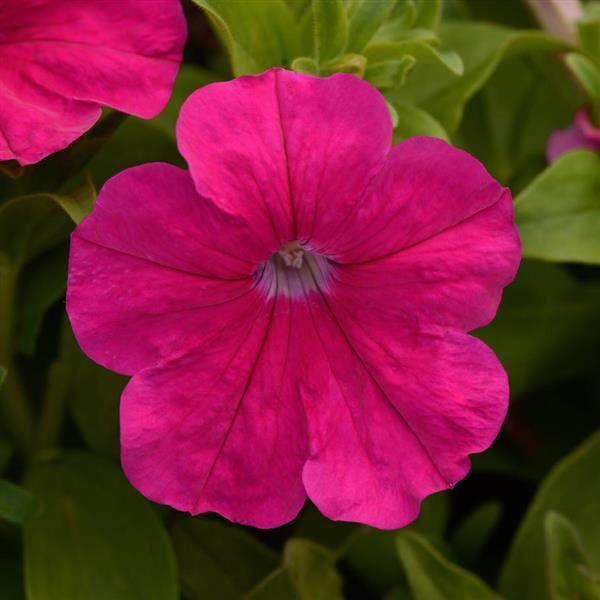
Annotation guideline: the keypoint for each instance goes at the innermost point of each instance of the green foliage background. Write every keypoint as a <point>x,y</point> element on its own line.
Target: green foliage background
<point>525,524</point>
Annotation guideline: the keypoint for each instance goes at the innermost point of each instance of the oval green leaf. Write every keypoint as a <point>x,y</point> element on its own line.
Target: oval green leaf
<point>330,29</point>
<point>570,574</point>
<point>308,573</point>
<point>433,577</point>
<point>94,536</point>
<point>558,214</point>
<point>572,489</point>
<point>16,503</point>
<point>219,560</point>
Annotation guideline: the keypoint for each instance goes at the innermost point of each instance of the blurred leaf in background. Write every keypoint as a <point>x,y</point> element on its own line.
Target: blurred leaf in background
<point>106,541</point>
<point>219,560</point>
<point>572,490</point>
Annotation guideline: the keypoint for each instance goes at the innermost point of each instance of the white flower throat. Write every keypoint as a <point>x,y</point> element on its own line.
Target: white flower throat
<point>294,271</point>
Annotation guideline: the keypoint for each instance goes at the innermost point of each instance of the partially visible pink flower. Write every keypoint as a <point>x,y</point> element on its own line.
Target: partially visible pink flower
<point>294,308</point>
<point>61,60</point>
<point>581,135</point>
<point>558,17</point>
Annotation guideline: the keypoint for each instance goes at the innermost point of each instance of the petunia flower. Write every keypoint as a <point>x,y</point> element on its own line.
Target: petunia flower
<point>581,135</point>
<point>61,60</point>
<point>294,308</point>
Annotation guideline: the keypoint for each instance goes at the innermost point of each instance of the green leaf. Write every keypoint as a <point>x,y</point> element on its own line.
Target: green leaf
<point>258,35</point>
<point>93,395</point>
<point>393,114</point>
<point>364,19</point>
<point>423,52</point>
<point>312,570</point>
<point>11,569</point>
<point>570,574</point>
<point>6,452</point>
<point>217,559</point>
<point>135,143</point>
<point>572,489</point>
<point>508,122</point>
<point>29,226</point>
<point>41,284</point>
<point>429,14</point>
<point>433,518</point>
<point>79,203</point>
<point>474,531</point>
<point>433,577</point>
<point>398,592</point>
<point>189,79</point>
<point>308,573</point>
<point>390,74</point>
<point>95,537</point>
<point>586,72</point>
<point>404,14</point>
<point>33,234</point>
<point>276,586</point>
<point>372,553</point>
<point>558,214</point>
<point>303,64</point>
<point>395,31</point>
<point>347,63</point>
<point>414,121</point>
<point>545,329</point>
<point>482,48</point>
<point>330,29</point>
<point>588,31</point>
<point>16,504</point>
<point>312,525</point>
<point>372,557</point>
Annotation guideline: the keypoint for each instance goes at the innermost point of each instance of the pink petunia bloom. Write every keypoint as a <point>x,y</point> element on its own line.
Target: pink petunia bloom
<point>61,60</point>
<point>293,309</point>
<point>581,135</point>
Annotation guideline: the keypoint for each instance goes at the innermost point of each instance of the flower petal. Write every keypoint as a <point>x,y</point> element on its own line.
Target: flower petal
<point>454,278</point>
<point>222,429</point>
<point>580,135</point>
<point>132,298</point>
<point>338,132</point>
<point>29,133</point>
<point>393,416</point>
<point>425,187</point>
<point>289,152</point>
<point>120,53</point>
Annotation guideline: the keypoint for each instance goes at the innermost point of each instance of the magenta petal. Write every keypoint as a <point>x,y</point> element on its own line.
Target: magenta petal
<point>132,298</point>
<point>222,429</point>
<point>454,279</point>
<point>28,134</point>
<point>60,60</point>
<point>337,138</point>
<point>392,417</point>
<point>425,187</point>
<point>581,135</point>
<point>230,135</point>
<point>291,153</point>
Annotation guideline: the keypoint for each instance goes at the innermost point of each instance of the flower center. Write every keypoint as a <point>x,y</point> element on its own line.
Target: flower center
<point>294,271</point>
<point>292,254</point>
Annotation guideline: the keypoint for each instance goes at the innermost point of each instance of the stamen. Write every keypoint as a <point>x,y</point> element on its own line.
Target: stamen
<point>294,272</point>
<point>292,254</point>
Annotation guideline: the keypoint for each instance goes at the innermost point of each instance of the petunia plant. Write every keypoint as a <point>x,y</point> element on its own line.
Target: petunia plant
<point>299,299</point>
